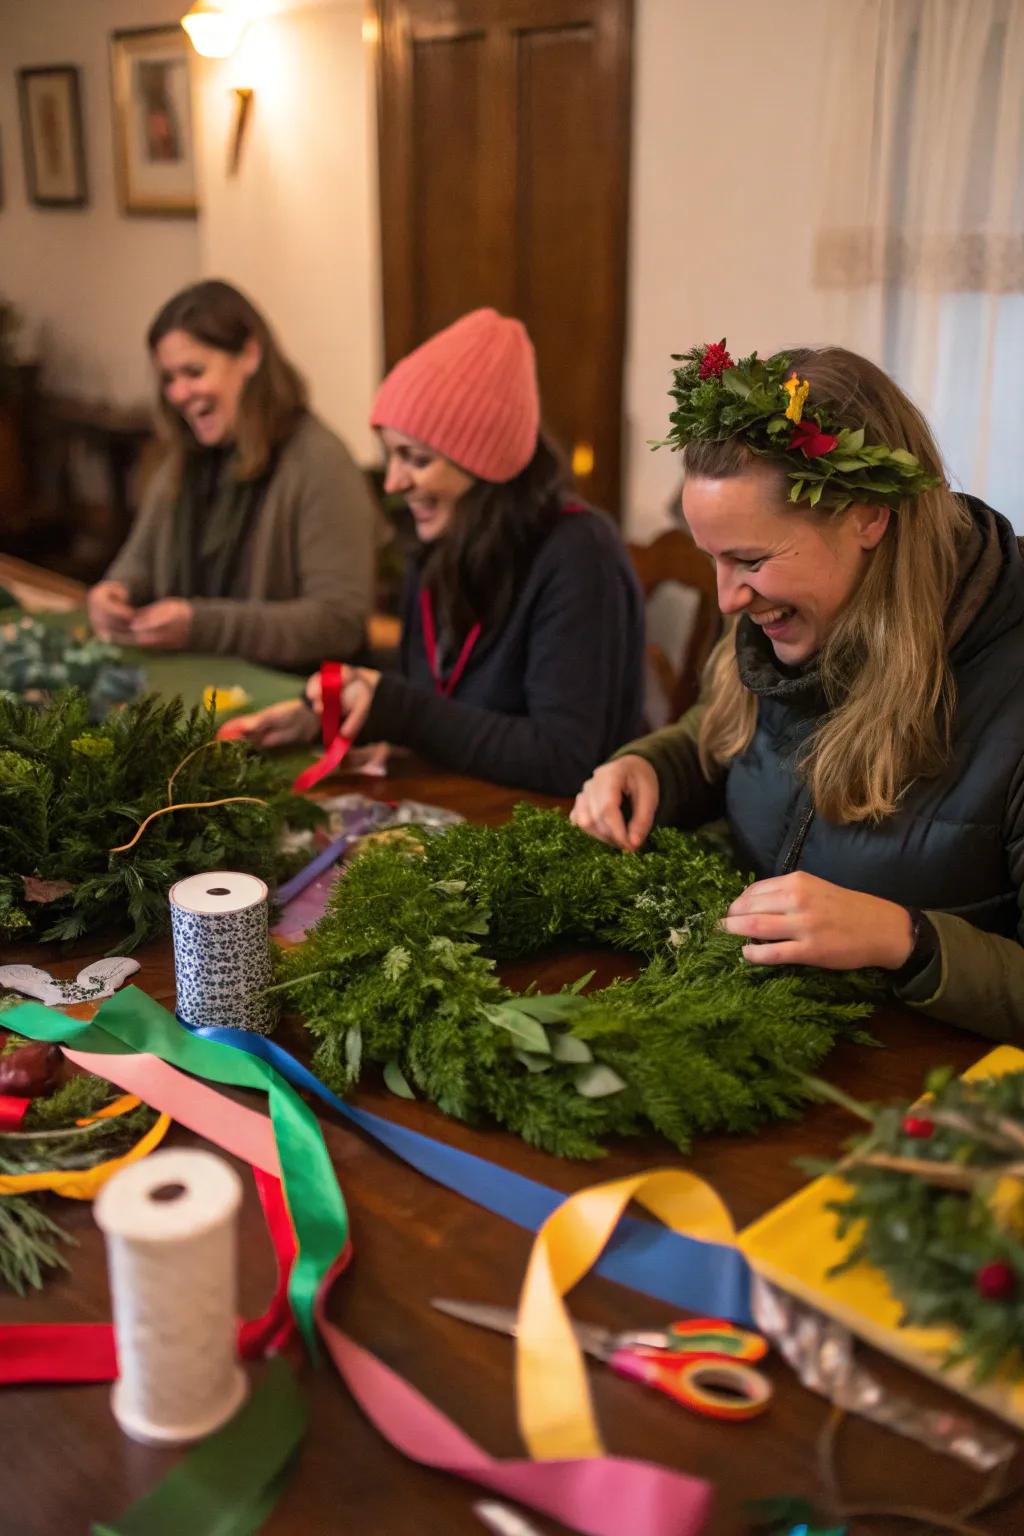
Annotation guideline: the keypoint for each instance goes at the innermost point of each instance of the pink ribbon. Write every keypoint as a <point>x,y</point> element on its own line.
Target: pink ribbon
<point>598,1496</point>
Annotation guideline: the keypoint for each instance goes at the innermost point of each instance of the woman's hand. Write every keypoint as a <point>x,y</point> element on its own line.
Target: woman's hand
<point>110,612</point>
<point>800,920</point>
<point>598,808</point>
<point>358,686</point>
<point>276,726</point>
<point>164,626</point>
<point>315,694</point>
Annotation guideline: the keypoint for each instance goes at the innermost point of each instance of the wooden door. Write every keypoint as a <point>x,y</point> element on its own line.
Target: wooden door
<point>504,178</point>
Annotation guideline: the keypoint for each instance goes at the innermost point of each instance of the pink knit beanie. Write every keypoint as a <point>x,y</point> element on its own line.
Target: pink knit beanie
<point>470,393</point>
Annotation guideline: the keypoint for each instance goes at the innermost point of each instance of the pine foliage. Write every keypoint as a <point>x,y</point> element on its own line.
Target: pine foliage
<point>401,970</point>
<point>70,791</point>
<point>937,1200</point>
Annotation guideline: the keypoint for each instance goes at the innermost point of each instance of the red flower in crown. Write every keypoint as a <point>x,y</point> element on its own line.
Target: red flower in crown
<point>812,442</point>
<point>715,361</point>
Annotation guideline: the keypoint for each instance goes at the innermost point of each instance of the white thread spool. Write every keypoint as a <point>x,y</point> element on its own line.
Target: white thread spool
<point>170,1223</point>
<point>222,950</point>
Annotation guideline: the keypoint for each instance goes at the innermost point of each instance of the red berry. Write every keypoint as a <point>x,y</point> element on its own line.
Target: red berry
<point>715,361</point>
<point>996,1282</point>
<point>918,1126</point>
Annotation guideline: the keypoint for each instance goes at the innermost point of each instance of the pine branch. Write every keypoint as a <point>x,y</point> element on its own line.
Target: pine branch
<point>28,1243</point>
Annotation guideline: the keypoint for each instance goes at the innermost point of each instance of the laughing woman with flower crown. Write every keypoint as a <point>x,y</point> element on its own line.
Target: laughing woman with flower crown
<point>862,721</point>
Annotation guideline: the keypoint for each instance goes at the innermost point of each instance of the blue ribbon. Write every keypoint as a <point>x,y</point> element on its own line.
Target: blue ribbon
<point>316,866</point>
<point>710,1279</point>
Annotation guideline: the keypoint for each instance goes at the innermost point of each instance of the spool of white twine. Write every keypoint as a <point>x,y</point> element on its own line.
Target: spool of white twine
<point>222,950</point>
<point>170,1223</point>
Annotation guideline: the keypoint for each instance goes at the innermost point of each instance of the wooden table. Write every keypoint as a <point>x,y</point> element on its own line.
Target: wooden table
<point>67,1463</point>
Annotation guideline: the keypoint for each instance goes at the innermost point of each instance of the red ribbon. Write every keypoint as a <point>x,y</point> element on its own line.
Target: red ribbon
<point>336,745</point>
<point>86,1352</point>
<point>12,1111</point>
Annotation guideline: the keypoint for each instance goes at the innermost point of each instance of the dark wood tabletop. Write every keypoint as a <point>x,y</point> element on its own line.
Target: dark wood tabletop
<point>66,1462</point>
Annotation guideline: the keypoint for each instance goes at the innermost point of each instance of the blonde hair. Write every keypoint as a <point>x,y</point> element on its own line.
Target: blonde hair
<point>886,724</point>
<point>273,399</point>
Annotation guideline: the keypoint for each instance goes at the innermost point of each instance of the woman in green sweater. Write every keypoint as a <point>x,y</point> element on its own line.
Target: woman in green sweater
<point>256,536</point>
<point>862,721</point>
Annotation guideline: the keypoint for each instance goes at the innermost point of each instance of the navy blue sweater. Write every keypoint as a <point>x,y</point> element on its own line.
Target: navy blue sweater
<point>549,696</point>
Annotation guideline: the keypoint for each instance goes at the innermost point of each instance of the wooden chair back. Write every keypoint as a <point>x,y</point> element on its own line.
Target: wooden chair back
<point>673,556</point>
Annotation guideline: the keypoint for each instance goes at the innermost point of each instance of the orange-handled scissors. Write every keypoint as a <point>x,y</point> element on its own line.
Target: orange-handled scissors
<point>702,1363</point>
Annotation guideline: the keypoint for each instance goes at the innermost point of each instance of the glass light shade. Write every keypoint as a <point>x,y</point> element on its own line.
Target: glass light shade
<point>212,31</point>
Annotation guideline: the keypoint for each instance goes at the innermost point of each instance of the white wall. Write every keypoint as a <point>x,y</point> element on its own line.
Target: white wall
<point>297,226</point>
<point>89,280</point>
<point>723,188</point>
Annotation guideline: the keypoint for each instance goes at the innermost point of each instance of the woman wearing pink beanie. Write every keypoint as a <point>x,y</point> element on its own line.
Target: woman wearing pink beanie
<point>522,645</point>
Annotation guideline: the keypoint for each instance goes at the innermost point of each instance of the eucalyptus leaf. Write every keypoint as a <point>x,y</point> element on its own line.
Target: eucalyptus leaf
<point>394,1077</point>
<point>566,1047</point>
<point>354,1050</point>
<point>532,1062</point>
<point>598,1082</point>
<point>525,1031</point>
<point>549,1007</point>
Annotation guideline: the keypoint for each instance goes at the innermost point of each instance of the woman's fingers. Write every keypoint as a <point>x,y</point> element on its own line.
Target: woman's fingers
<point>763,926</point>
<point>643,793</point>
<point>276,726</point>
<point>315,693</point>
<point>599,808</point>
<point>774,954</point>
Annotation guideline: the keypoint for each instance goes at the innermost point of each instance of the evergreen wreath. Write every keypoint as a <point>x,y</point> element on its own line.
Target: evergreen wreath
<point>50,1137</point>
<point>401,971</point>
<point>762,401</point>
<point>937,1204</point>
<point>72,793</point>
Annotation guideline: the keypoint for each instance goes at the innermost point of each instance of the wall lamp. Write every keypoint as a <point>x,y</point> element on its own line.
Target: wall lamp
<point>215,33</point>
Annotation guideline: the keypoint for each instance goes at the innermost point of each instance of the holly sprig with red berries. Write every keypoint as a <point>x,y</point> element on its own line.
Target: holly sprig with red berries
<point>766,403</point>
<point>937,1204</point>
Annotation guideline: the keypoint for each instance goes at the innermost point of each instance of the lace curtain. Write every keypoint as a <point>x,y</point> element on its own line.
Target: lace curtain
<point>920,237</point>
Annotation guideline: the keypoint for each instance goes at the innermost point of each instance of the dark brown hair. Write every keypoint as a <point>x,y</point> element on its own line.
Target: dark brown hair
<point>272,400</point>
<point>476,570</point>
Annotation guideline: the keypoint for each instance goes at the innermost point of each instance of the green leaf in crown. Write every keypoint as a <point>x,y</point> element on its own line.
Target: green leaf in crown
<point>764,402</point>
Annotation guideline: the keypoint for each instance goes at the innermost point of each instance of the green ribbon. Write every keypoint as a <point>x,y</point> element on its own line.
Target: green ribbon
<point>228,1485</point>
<point>132,1021</point>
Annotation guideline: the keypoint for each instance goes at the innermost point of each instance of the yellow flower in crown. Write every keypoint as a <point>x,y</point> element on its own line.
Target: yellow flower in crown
<point>797,393</point>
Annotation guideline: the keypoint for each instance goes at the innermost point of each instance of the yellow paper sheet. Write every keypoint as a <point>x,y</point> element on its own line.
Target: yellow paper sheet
<point>795,1245</point>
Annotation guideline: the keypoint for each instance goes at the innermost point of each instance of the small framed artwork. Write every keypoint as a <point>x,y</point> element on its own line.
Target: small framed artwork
<point>51,127</point>
<point>153,139</point>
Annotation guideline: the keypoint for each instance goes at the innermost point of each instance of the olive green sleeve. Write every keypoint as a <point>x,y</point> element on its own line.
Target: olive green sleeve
<point>686,798</point>
<point>976,980</point>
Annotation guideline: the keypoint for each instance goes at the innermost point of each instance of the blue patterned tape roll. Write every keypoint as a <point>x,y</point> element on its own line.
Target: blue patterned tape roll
<point>222,950</point>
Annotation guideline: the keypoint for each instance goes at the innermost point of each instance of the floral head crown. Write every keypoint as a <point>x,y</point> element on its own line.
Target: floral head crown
<point>764,402</point>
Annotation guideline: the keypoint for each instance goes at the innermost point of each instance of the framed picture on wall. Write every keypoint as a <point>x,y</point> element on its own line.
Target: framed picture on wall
<point>153,141</point>
<point>51,128</point>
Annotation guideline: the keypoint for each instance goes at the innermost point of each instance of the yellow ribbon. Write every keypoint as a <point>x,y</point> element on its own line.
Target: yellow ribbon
<point>120,1106</point>
<point>556,1418</point>
<point>84,1183</point>
<point>795,1246</point>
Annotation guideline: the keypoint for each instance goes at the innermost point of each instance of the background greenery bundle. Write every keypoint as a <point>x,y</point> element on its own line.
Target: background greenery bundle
<point>400,971</point>
<point>43,658</point>
<point>70,791</point>
<point>937,1204</point>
